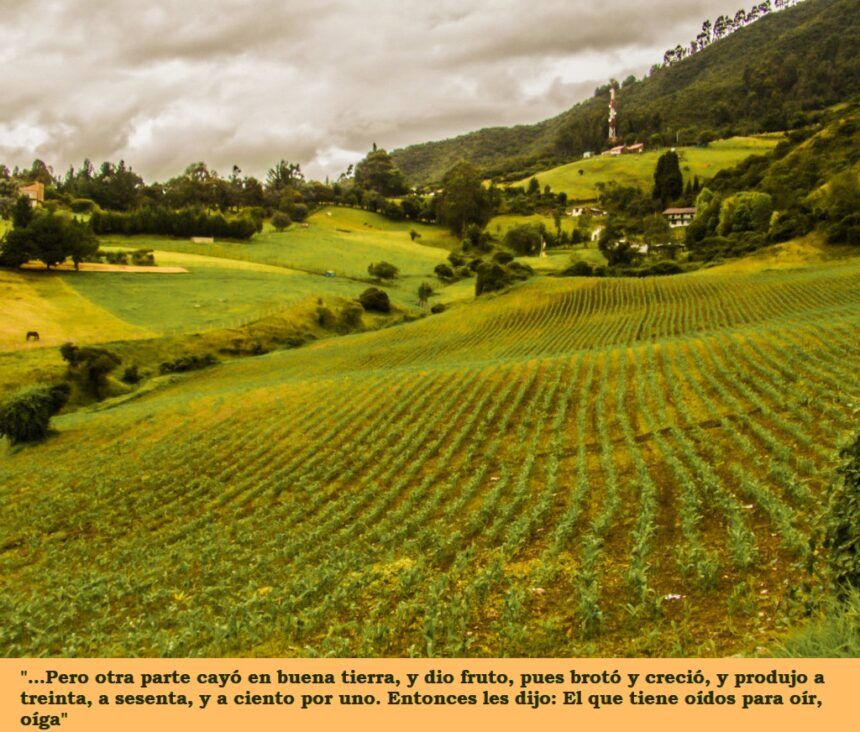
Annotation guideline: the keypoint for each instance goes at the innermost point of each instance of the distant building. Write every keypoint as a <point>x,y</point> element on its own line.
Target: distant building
<point>679,216</point>
<point>35,192</point>
<point>587,154</point>
<point>639,147</point>
<point>591,210</point>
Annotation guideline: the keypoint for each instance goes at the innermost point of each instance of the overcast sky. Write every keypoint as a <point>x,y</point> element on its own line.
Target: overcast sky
<point>163,84</point>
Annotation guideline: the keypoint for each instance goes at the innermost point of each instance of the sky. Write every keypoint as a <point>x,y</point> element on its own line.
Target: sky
<point>250,82</point>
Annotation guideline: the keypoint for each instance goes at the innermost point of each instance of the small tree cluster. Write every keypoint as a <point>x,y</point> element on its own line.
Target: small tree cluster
<point>383,271</point>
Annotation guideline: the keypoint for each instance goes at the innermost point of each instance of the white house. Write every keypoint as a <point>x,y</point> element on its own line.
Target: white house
<point>679,216</point>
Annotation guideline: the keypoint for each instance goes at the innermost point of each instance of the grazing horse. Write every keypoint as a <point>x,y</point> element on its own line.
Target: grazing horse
<point>32,335</point>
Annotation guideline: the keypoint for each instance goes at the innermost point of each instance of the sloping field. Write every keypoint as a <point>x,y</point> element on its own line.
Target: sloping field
<point>43,302</point>
<point>638,169</point>
<point>612,467</point>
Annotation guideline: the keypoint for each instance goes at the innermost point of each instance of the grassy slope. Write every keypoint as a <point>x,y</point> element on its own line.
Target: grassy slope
<point>638,170</point>
<point>812,35</point>
<point>474,483</point>
<point>46,303</point>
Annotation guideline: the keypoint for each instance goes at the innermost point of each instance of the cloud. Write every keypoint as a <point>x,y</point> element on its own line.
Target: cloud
<point>162,84</point>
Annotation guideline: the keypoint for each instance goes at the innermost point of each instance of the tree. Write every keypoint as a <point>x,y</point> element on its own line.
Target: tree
<point>745,211</point>
<point>377,172</point>
<point>91,366</point>
<point>613,245</point>
<point>425,290</point>
<point>284,175</point>
<point>413,235</point>
<point>668,181</point>
<point>464,199</point>
<point>281,220</point>
<point>23,213</point>
<point>383,271</point>
<point>524,239</point>
<point>491,276</point>
<point>51,238</point>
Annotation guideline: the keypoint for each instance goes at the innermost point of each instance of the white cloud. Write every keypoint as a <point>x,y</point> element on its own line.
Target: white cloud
<point>162,84</point>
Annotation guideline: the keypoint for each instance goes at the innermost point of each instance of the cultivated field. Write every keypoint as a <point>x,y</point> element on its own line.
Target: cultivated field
<point>610,466</point>
<point>638,169</point>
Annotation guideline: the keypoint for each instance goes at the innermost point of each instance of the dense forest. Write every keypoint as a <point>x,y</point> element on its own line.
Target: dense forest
<point>766,75</point>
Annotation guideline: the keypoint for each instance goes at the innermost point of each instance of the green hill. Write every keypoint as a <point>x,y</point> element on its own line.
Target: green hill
<point>638,170</point>
<point>545,472</point>
<point>764,77</point>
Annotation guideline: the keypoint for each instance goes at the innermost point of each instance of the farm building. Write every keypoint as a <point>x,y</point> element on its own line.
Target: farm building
<point>35,192</point>
<point>639,147</point>
<point>679,216</point>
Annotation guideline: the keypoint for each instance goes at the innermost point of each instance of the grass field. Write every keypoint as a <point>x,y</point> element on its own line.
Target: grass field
<point>578,467</point>
<point>638,170</point>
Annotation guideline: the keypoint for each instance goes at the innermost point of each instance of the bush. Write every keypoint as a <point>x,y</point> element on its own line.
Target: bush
<point>82,205</point>
<point>665,267</point>
<point>491,277</point>
<point>90,366</point>
<point>325,317</point>
<point>383,271</point>
<point>463,272</point>
<point>444,272</point>
<point>438,308</point>
<point>280,220</point>
<point>26,416</point>
<point>374,299</point>
<point>131,375</point>
<point>525,240</point>
<point>520,271</point>
<point>350,316</point>
<point>503,257</point>
<point>578,269</point>
<point>143,258</point>
<point>187,363</point>
<point>456,259</point>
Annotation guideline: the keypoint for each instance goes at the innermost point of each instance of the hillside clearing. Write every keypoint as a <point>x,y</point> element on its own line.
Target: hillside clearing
<point>638,169</point>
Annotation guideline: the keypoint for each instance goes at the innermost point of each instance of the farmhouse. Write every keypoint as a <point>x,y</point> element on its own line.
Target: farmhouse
<point>35,192</point>
<point>639,147</point>
<point>679,216</point>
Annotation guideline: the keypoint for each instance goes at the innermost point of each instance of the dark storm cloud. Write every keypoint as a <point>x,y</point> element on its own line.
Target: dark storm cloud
<point>162,84</point>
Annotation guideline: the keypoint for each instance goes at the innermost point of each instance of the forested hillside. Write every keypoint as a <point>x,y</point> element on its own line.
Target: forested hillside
<point>770,74</point>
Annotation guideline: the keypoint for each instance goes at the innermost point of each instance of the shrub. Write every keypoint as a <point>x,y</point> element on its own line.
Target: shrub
<point>520,271</point>
<point>90,366</point>
<point>82,205</point>
<point>281,220</point>
<point>188,363</point>
<point>374,299</point>
<point>463,272</point>
<point>525,240</point>
<point>143,258</point>
<point>325,317</point>
<point>456,259</point>
<point>438,308</point>
<point>444,272</point>
<point>491,277</point>
<point>131,375</point>
<point>665,267</point>
<point>578,269</point>
<point>26,416</point>
<point>350,316</point>
<point>383,271</point>
<point>503,257</point>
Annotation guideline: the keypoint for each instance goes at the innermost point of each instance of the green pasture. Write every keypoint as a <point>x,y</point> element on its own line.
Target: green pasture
<point>638,169</point>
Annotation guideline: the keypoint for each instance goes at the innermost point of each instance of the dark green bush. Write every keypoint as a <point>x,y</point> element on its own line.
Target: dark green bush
<point>188,363</point>
<point>26,416</point>
<point>374,299</point>
<point>578,269</point>
<point>491,276</point>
